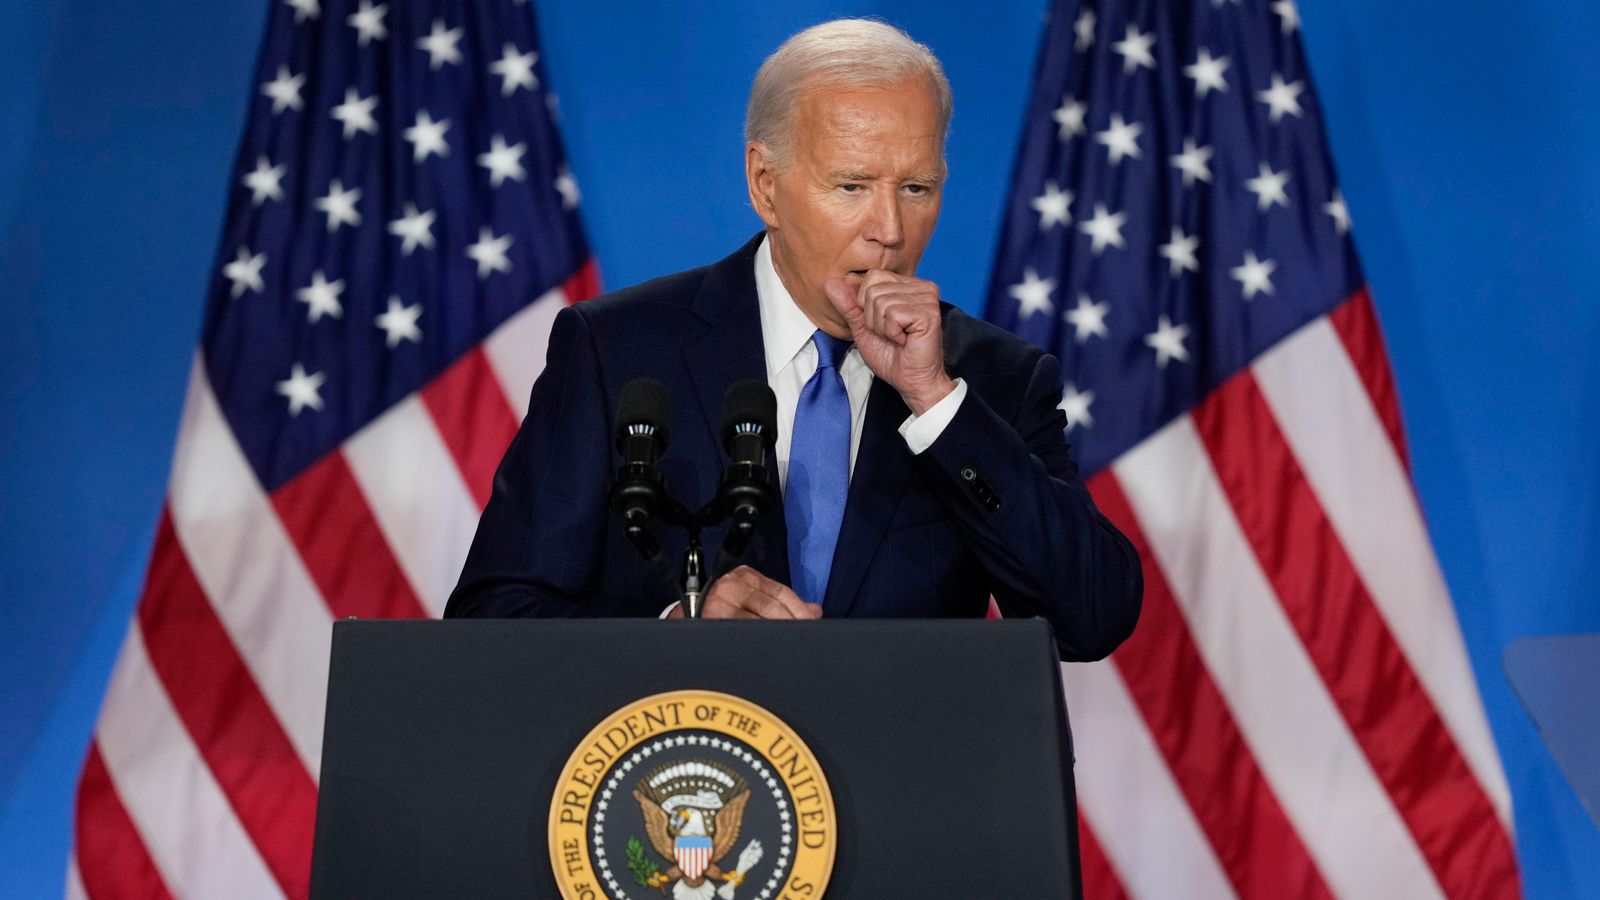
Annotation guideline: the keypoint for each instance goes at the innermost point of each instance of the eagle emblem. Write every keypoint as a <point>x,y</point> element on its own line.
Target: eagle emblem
<point>693,810</point>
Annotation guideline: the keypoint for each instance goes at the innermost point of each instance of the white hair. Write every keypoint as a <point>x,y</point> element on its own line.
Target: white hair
<point>841,53</point>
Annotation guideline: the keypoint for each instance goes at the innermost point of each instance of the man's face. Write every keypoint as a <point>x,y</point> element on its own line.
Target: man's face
<point>860,190</point>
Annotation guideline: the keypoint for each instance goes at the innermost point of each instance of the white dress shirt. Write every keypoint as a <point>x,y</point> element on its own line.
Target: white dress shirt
<point>792,360</point>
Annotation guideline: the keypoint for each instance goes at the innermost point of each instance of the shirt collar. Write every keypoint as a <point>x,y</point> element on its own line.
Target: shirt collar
<point>785,329</point>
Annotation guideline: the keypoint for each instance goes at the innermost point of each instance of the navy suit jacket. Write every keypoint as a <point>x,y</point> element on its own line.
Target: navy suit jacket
<point>995,505</point>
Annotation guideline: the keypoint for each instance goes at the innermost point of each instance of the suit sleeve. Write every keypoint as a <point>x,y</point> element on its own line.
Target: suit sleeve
<point>537,551</point>
<point>1015,494</point>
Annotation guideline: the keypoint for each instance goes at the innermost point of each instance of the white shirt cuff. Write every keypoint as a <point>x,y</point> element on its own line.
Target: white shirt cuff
<point>921,431</point>
<point>668,611</point>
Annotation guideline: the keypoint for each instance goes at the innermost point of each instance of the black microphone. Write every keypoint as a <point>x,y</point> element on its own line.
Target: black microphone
<point>749,432</point>
<point>643,411</point>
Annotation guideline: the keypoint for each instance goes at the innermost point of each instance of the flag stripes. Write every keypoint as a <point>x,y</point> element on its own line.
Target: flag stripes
<point>474,419</point>
<point>1190,722</point>
<point>1396,791</point>
<point>226,717</point>
<point>1348,642</point>
<point>1127,794</point>
<point>179,812</point>
<point>1336,431</point>
<point>119,864</point>
<point>333,530</point>
<point>225,755</point>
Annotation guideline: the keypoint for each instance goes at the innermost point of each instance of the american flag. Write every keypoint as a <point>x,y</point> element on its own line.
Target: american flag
<point>1295,715</point>
<point>402,229</point>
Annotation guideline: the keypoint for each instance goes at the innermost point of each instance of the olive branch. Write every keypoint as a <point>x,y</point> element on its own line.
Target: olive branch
<point>640,864</point>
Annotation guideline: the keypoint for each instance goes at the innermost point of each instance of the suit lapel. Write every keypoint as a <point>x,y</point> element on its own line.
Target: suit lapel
<point>730,349</point>
<point>883,467</point>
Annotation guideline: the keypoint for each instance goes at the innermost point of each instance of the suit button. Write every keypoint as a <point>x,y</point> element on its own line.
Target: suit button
<point>968,473</point>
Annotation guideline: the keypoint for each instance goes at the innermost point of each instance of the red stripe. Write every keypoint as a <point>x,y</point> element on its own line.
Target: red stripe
<point>1356,321</point>
<point>1348,641</point>
<point>584,283</point>
<point>111,856</point>
<point>230,722</point>
<point>1100,881</point>
<point>1191,723</point>
<point>336,535</point>
<point>472,414</point>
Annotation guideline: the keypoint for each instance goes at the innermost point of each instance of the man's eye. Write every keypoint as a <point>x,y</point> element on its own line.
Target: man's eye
<point>917,190</point>
<point>850,187</point>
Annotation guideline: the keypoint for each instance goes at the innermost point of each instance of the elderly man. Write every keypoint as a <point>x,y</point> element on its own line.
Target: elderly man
<point>921,454</point>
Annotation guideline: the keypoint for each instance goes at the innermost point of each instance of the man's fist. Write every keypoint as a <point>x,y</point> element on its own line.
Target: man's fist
<point>894,321</point>
<point>745,593</point>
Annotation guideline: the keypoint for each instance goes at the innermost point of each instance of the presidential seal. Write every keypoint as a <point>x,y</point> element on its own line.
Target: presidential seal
<point>692,795</point>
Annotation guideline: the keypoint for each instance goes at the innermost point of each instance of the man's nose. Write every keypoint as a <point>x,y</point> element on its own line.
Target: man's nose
<point>885,224</point>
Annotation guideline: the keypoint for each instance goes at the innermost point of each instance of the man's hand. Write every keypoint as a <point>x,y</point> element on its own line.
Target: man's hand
<point>894,320</point>
<point>745,593</point>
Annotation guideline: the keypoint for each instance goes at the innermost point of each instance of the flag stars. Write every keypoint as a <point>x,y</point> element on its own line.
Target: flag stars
<point>284,90</point>
<point>399,323</point>
<point>321,297</point>
<point>1179,252</point>
<point>1105,228</point>
<point>427,137</point>
<point>503,162</point>
<point>1052,206</point>
<point>1075,404</point>
<point>440,45</point>
<point>1033,294</point>
<point>567,187</point>
<point>1088,319</point>
<point>1194,162</point>
<point>1121,139</point>
<point>490,252</point>
<point>1254,275</point>
<point>1134,48</point>
<point>1167,340</point>
<point>515,70</point>
<point>414,228</point>
<point>304,9</point>
<point>356,113</point>
<point>1338,211</point>
<point>368,22</point>
<point>266,182</point>
<point>1208,73</point>
<point>302,390</point>
<point>340,205</point>
<point>1069,118</point>
<point>1288,13</point>
<point>1282,99</point>
<point>245,272</point>
<point>1268,186</point>
<point>1084,28</point>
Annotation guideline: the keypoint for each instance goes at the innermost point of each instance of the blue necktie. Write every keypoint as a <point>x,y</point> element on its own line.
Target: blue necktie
<point>819,470</point>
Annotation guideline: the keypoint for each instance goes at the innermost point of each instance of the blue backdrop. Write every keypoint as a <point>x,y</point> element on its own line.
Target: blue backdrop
<point>1466,156</point>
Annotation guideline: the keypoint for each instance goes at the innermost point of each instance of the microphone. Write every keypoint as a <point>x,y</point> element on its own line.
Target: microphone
<point>643,410</point>
<point>749,432</point>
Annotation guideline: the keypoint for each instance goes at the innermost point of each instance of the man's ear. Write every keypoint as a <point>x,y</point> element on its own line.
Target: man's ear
<point>761,179</point>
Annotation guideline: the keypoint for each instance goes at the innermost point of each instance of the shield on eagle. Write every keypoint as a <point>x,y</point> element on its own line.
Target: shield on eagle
<point>692,812</point>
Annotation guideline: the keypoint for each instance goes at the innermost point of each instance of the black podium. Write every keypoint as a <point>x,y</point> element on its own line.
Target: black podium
<point>944,744</point>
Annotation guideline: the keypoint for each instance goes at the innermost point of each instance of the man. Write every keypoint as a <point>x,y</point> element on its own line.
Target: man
<point>921,454</point>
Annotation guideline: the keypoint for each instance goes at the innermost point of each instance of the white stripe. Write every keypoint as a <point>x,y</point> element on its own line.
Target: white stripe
<point>75,889</point>
<point>516,350</point>
<point>1128,795</point>
<point>416,493</point>
<point>179,810</point>
<point>1329,421</point>
<point>1301,742</point>
<point>250,570</point>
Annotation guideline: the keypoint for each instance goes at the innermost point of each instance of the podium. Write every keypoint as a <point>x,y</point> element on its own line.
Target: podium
<point>456,751</point>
